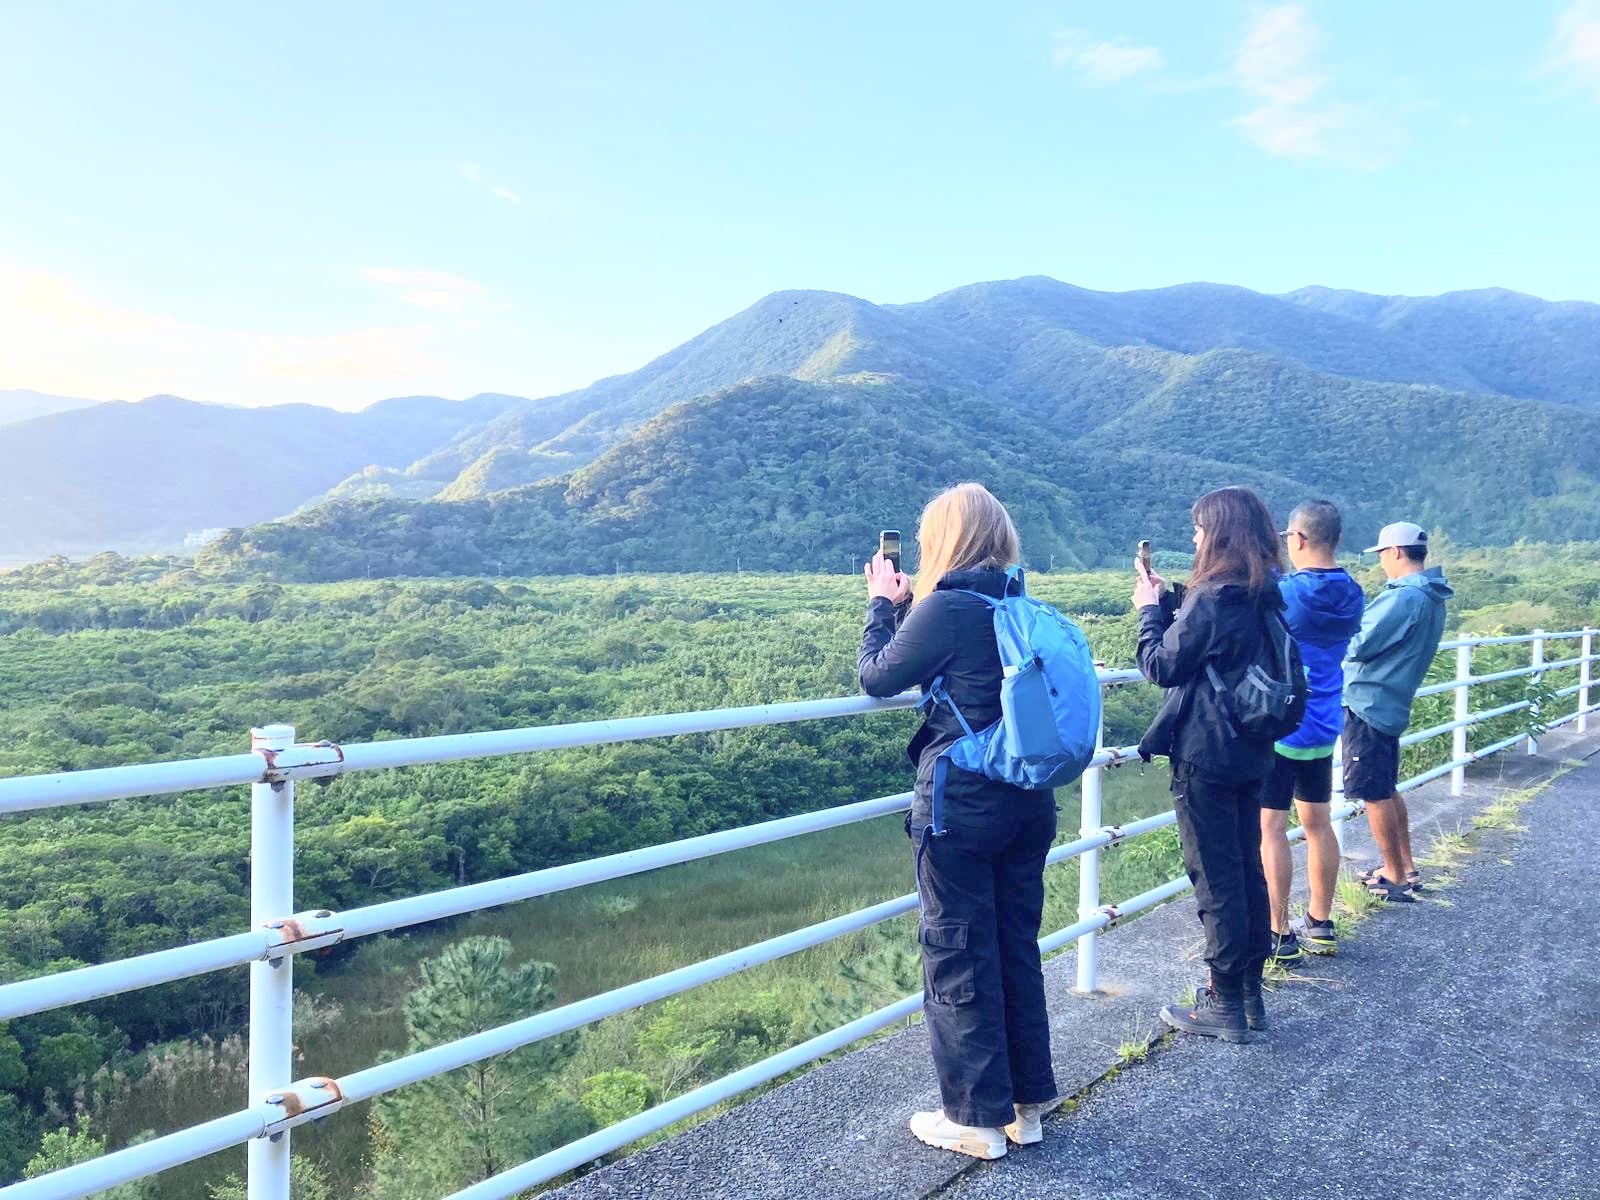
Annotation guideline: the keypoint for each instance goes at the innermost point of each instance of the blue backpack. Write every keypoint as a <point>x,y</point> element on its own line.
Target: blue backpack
<point>1049,702</point>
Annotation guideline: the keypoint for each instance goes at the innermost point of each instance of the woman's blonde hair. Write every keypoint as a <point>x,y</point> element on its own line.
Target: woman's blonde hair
<point>963,526</point>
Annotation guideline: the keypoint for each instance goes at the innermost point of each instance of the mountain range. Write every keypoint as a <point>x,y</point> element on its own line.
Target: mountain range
<point>788,434</point>
<point>22,404</point>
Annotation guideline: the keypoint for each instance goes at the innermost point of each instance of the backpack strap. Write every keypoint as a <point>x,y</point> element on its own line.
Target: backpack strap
<point>937,693</point>
<point>1224,703</point>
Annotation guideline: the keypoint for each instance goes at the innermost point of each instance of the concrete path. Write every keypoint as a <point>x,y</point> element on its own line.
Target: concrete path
<point>1454,1051</point>
<point>1492,1058</point>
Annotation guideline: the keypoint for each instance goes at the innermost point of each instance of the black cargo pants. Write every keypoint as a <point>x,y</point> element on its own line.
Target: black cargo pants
<point>1219,827</point>
<point>982,888</point>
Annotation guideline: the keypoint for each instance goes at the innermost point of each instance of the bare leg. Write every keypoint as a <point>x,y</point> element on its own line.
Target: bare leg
<point>1322,858</point>
<point>1403,819</point>
<point>1278,864</point>
<point>1386,822</point>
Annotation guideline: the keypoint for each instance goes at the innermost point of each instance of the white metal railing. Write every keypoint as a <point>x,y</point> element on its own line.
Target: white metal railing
<point>278,1103</point>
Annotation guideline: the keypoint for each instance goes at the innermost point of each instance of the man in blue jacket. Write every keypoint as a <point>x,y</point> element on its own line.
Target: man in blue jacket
<point>1386,663</point>
<point>1322,606</point>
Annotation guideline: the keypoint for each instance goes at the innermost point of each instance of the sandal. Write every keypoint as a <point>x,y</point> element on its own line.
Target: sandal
<point>1413,878</point>
<point>1389,893</point>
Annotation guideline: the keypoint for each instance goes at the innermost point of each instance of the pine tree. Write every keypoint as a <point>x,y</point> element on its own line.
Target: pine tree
<point>456,1129</point>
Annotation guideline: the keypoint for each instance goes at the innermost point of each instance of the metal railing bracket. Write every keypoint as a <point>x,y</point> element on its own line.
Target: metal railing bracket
<point>302,932</point>
<point>308,760</point>
<point>302,1101</point>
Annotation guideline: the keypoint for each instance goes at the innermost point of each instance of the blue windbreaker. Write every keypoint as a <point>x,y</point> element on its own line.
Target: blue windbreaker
<point>1389,657</point>
<point>1323,608</point>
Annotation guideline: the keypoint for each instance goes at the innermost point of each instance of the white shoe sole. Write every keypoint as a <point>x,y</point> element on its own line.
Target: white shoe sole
<point>972,1147</point>
<point>1024,1137</point>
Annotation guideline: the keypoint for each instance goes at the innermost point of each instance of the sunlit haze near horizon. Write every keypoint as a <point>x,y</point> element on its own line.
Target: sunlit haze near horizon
<point>338,203</point>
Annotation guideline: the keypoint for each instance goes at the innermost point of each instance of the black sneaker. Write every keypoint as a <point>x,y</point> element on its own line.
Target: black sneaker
<point>1212,1016</point>
<point>1316,937</point>
<point>1285,949</point>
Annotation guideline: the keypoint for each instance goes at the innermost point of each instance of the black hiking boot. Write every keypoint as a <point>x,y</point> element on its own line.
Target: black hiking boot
<point>1214,1015</point>
<point>1255,1009</point>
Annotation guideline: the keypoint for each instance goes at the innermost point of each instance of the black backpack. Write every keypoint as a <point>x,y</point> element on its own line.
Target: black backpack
<point>1268,701</point>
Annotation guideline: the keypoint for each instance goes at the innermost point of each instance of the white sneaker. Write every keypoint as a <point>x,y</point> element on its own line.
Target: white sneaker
<point>939,1131</point>
<point>1027,1128</point>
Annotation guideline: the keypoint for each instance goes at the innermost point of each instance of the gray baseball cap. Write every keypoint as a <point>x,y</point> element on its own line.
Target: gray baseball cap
<point>1399,533</point>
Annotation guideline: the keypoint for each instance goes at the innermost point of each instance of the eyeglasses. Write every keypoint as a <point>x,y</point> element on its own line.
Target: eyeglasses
<point>1286,534</point>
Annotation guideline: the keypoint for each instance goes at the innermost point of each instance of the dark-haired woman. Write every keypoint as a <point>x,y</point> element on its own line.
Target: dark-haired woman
<point>1218,620</point>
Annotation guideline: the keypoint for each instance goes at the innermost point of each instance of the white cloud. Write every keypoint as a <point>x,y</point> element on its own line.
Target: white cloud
<point>1276,69</point>
<point>1575,48</point>
<point>366,355</point>
<point>1100,63</point>
<point>435,301</point>
<point>1274,60</point>
<point>434,280</point>
<point>64,337</point>
<point>436,291</point>
<point>473,173</point>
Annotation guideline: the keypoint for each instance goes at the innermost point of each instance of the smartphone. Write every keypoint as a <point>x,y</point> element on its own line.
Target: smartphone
<point>889,546</point>
<point>1144,557</point>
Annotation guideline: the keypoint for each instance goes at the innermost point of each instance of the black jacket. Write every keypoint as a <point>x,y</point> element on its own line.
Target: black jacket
<point>1220,624</point>
<point>948,634</point>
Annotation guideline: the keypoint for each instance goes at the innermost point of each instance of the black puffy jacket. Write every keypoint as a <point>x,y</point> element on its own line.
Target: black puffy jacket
<point>948,634</point>
<point>1220,624</point>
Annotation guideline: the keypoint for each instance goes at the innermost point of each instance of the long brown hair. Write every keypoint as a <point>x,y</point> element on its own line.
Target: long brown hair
<point>1240,543</point>
<point>963,526</point>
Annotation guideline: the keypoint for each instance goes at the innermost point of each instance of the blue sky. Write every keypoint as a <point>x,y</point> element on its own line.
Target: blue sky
<point>338,202</point>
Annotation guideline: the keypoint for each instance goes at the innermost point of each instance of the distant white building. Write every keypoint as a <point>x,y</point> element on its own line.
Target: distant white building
<point>193,541</point>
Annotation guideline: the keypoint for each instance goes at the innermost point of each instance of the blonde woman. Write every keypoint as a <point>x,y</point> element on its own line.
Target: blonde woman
<point>982,879</point>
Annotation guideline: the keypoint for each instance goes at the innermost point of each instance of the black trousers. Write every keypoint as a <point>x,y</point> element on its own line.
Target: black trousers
<point>1219,826</point>
<point>982,888</point>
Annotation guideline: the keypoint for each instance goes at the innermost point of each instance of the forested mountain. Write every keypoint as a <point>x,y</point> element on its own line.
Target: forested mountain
<point>1086,390</point>
<point>1508,342</point>
<point>142,476</point>
<point>1040,344</point>
<point>786,474</point>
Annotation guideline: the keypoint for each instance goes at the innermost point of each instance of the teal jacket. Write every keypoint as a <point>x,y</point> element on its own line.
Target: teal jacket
<point>1387,660</point>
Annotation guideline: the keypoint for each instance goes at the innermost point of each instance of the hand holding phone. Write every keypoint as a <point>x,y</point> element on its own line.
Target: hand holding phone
<point>884,577</point>
<point>889,546</point>
<point>883,580</point>
<point>1148,585</point>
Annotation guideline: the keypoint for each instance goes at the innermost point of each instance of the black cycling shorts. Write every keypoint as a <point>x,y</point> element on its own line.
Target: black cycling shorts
<point>1371,760</point>
<point>1308,779</point>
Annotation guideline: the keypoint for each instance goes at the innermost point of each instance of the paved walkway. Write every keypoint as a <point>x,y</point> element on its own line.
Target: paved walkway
<point>1455,1051</point>
<point>1490,1060</point>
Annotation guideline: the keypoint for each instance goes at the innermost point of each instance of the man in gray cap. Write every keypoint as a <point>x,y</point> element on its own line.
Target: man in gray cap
<point>1383,668</point>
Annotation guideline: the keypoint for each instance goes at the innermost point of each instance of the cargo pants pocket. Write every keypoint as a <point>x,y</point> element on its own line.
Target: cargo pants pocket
<point>947,967</point>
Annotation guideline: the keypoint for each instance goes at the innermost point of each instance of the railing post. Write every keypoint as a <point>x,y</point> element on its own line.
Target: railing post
<point>271,983</point>
<point>1585,675</point>
<point>1090,821</point>
<point>1463,709</point>
<point>1537,677</point>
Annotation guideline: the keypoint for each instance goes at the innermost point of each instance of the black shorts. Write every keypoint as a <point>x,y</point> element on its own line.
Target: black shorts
<point>1308,779</point>
<point>1371,760</point>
